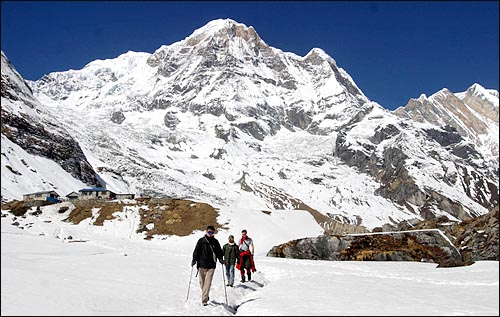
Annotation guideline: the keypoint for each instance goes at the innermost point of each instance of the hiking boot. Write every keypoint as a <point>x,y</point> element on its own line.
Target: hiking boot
<point>242,279</point>
<point>249,277</point>
<point>205,304</point>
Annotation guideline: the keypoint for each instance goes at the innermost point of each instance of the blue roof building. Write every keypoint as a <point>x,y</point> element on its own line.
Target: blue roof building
<point>96,193</point>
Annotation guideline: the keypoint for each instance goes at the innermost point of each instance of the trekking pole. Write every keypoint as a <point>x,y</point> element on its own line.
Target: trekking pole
<point>224,280</point>
<point>189,286</point>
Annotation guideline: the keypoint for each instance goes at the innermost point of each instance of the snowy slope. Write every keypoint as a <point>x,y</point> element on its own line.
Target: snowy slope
<point>23,173</point>
<point>109,270</point>
<point>37,152</point>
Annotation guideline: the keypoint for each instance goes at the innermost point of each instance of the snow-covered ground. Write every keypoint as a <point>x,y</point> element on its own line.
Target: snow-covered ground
<point>111,270</point>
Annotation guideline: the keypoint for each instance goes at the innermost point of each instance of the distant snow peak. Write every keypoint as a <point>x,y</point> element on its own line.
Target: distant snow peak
<point>319,53</point>
<point>221,30</point>
<point>217,25</point>
<point>443,92</point>
<point>477,89</point>
<point>474,114</point>
<point>422,97</point>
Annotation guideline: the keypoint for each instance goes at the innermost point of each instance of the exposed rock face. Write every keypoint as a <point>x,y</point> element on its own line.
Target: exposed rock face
<point>468,127</point>
<point>443,107</point>
<point>420,246</point>
<point>398,165</point>
<point>171,120</point>
<point>117,117</point>
<point>25,123</point>
<point>476,238</point>
<point>37,140</point>
<point>445,137</point>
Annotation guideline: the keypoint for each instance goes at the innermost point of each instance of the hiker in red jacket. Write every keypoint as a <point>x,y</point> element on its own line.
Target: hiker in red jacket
<point>245,260</point>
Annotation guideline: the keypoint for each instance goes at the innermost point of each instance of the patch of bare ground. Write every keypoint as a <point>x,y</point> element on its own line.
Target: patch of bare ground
<point>176,217</point>
<point>83,210</point>
<point>159,216</point>
<point>17,207</point>
<point>106,212</point>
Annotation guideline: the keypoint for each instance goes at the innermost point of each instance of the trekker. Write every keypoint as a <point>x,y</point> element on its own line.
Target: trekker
<point>205,255</point>
<point>231,253</point>
<point>246,256</point>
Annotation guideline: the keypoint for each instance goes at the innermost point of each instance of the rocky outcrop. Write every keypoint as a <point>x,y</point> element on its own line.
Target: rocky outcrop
<point>419,246</point>
<point>171,121</point>
<point>476,238</point>
<point>117,117</point>
<point>464,127</point>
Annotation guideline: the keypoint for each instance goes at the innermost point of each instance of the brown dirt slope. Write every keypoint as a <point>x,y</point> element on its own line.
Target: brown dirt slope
<point>163,216</point>
<point>176,217</point>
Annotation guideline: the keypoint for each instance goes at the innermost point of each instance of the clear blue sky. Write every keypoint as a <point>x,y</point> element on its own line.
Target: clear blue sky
<point>394,51</point>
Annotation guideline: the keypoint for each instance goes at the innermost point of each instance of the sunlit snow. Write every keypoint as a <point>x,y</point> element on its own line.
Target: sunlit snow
<point>111,270</point>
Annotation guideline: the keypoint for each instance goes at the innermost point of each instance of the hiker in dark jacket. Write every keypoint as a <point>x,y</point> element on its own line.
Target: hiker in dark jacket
<point>205,255</point>
<point>231,253</point>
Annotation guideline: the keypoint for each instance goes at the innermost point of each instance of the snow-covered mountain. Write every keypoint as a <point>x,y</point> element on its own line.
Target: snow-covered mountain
<point>224,118</point>
<point>37,153</point>
<point>473,113</point>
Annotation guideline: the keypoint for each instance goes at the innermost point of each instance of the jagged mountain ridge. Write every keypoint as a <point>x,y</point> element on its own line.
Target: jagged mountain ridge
<point>223,68</point>
<point>473,113</point>
<point>224,118</point>
<point>426,168</point>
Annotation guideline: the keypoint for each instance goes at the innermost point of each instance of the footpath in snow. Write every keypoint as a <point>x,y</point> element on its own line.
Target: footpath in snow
<point>238,295</point>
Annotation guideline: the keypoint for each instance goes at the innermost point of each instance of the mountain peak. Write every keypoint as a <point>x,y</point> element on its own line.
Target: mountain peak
<point>216,25</point>
<point>476,87</point>
<point>481,92</point>
<point>443,93</point>
<point>224,28</point>
<point>318,52</point>
<point>422,97</point>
